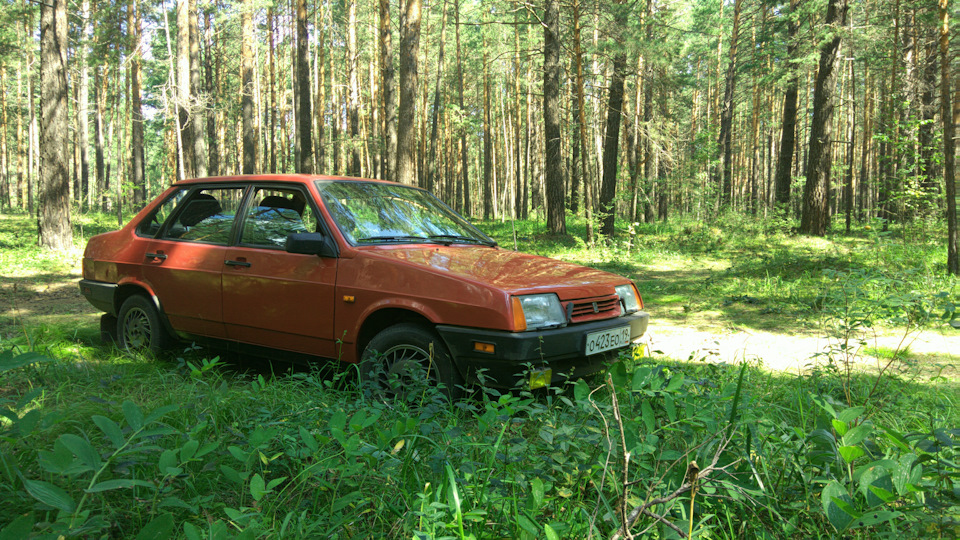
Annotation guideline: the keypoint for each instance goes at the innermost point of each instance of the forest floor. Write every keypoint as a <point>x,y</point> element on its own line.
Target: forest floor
<point>30,298</point>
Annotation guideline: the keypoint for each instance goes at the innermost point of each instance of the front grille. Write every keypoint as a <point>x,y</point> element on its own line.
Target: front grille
<point>592,309</point>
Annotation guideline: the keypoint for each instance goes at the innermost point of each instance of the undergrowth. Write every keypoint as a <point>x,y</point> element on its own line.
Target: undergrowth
<point>194,449</point>
<point>95,442</point>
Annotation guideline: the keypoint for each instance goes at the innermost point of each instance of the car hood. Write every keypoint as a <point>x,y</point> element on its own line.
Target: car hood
<point>506,270</point>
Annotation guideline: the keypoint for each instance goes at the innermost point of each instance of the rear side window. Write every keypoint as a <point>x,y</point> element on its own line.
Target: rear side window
<point>150,226</point>
<point>206,216</point>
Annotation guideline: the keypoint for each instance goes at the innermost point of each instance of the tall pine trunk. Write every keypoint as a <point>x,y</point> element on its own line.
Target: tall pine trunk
<point>197,114</point>
<point>464,183</point>
<point>55,230</point>
<point>353,99</point>
<point>409,75</point>
<point>184,97</point>
<point>816,211</point>
<point>304,118</point>
<point>553,161</point>
<point>611,144</point>
<point>389,157</point>
<point>949,148</point>
<point>137,160</point>
<point>435,110</point>
<point>249,135</point>
<point>726,115</point>
<point>788,127</point>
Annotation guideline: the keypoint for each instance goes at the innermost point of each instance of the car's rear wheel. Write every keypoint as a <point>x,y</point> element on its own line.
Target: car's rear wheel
<point>400,359</point>
<point>139,327</point>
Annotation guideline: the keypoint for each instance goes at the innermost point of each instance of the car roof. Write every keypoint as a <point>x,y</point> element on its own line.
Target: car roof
<point>291,178</point>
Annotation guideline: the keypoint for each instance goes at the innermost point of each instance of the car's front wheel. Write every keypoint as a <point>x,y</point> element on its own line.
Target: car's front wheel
<point>139,327</point>
<point>402,357</point>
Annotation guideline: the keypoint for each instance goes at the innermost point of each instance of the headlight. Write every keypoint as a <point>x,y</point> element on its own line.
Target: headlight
<point>630,298</point>
<point>534,311</point>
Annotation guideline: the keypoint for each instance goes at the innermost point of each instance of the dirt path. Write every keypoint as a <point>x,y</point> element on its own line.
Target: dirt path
<point>937,352</point>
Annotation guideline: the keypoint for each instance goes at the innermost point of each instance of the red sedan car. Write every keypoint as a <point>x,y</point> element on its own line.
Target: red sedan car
<point>354,270</point>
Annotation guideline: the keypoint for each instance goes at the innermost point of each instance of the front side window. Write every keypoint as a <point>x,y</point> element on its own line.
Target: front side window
<point>373,212</point>
<point>150,226</point>
<point>207,216</point>
<point>275,213</point>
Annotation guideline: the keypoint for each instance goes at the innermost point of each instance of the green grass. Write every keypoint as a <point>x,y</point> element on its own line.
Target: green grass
<point>247,448</point>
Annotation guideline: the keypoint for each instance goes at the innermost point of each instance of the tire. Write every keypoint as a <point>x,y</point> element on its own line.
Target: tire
<point>139,327</point>
<point>397,363</point>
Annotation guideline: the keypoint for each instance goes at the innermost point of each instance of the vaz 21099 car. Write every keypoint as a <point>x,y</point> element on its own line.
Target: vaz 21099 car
<point>356,270</point>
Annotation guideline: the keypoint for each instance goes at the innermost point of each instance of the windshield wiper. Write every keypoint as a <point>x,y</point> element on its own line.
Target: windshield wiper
<point>394,239</point>
<point>461,238</point>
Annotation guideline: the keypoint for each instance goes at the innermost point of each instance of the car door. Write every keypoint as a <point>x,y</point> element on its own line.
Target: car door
<point>274,298</point>
<point>184,262</point>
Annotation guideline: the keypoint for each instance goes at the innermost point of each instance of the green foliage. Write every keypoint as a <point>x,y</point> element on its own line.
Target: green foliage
<point>96,442</point>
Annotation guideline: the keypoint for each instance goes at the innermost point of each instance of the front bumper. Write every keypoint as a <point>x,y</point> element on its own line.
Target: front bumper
<point>562,350</point>
<point>99,294</point>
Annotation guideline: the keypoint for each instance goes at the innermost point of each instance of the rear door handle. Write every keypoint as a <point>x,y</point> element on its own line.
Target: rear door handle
<point>160,256</point>
<point>242,264</point>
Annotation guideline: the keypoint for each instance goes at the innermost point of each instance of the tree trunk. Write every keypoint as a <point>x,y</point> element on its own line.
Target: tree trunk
<point>518,106</point>
<point>353,100</point>
<point>99,139</point>
<point>407,117</point>
<point>949,149</point>
<point>582,123</point>
<point>726,116</point>
<point>197,114</point>
<point>83,107</point>
<point>249,135</point>
<point>816,212</point>
<point>788,128</point>
<point>32,129</point>
<point>213,149</point>
<point>137,160</point>
<point>184,98</point>
<point>436,109</point>
<point>553,161</point>
<point>611,145</point>
<point>852,137</point>
<point>304,118</point>
<point>389,158</point>
<point>487,141</point>
<point>464,158</point>
<point>55,229</point>
<point>6,182</point>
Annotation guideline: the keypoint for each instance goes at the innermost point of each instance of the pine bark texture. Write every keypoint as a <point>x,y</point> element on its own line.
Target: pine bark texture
<point>246,98</point>
<point>726,115</point>
<point>184,98</point>
<point>304,117</point>
<point>949,145</point>
<point>55,229</point>
<point>353,99</point>
<point>388,100</point>
<point>788,125</point>
<point>611,146</point>
<point>197,114</point>
<point>553,160</point>
<point>815,219</point>
<point>137,159</point>
<point>409,76</point>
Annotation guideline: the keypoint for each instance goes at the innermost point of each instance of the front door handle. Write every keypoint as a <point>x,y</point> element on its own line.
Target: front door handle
<point>242,264</point>
<point>159,255</point>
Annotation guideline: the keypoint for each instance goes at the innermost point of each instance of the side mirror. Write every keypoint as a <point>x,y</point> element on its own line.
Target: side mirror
<point>312,244</point>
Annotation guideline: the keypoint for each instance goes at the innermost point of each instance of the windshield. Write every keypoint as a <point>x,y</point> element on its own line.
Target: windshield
<point>376,213</point>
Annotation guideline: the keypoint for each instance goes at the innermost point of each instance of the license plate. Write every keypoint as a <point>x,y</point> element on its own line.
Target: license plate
<point>607,340</point>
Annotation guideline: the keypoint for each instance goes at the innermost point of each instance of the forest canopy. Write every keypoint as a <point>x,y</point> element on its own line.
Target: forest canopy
<point>620,111</point>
